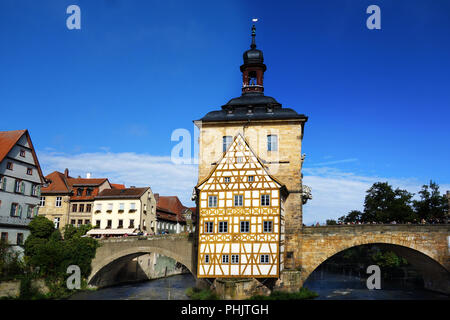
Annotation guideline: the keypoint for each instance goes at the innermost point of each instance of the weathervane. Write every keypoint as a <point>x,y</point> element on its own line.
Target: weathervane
<point>253,45</point>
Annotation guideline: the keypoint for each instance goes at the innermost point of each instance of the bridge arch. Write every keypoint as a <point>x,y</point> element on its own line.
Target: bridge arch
<point>424,247</point>
<point>114,253</point>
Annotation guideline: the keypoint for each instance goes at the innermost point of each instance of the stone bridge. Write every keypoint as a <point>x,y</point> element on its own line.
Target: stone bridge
<point>114,253</point>
<point>426,247</point>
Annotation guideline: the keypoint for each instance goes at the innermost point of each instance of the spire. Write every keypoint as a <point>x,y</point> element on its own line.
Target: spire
<point>253,45</point>
<point>253,68</point>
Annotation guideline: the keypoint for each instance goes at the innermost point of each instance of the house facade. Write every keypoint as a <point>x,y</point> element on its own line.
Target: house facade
<point>273,134</point>
<point>118,212</point>
<point>20,185</point>
<point>67,200</point>
<point>173,216</point>
<point>241,226</point>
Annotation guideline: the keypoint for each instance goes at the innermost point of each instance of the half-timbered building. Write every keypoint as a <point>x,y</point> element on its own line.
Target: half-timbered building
<point>241,227</point>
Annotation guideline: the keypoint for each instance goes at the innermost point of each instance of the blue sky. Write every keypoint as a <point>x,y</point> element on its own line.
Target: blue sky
<point>105,99</point>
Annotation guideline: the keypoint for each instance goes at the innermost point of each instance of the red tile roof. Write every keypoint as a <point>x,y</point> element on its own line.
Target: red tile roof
<point>170,208</point>
<point>57,184</point>
<point>62,183</point>
<point>9,138</point>
<point>117,186</point>
<point>122,193</point>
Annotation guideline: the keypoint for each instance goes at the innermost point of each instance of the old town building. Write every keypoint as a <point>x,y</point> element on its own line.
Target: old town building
<point>67,200</point>
<point>249,192</point>
<point>173,216</point>
<point>117,212</point>
<point>20,183</point>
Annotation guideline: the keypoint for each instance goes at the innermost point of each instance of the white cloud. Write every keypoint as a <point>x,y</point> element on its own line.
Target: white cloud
<point>158,172</point>
<point>334,191</point>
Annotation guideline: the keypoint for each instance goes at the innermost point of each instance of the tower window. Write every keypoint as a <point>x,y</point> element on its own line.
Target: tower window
<point>226,179</point>
<point>251,178</point>
<point>272,142</point>
<point>226,141</point>
<point>234,258</point>
<point>206,258</point>
<point>252,81</point>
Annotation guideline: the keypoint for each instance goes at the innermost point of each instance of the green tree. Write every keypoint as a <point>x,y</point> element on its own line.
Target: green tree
<point>383,204</point>
<point>331,222</point>
<point>41,227</point>
<point>352,216</point>
<point>431,204</point>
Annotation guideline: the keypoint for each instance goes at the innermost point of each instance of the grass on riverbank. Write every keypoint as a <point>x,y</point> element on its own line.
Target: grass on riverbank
<point>303,293</point>
<point>201,294</point>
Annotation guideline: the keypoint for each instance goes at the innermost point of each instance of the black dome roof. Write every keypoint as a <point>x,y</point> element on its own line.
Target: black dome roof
<point>253,56</point>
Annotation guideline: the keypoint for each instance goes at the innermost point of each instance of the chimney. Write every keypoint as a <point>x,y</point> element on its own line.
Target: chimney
<point>88,175</point>
<point>66,173</point>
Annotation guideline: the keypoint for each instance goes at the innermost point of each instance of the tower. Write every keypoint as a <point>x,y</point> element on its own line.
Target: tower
<point>250,137</point>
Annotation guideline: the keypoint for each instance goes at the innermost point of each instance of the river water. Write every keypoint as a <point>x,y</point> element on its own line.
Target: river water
<point>329,286</point>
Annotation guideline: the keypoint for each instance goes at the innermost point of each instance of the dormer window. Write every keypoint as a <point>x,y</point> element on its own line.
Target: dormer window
<point>79,192</point>
<point>88,191</point>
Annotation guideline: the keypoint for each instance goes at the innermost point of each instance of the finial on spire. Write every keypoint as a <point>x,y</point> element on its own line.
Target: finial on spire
<point>253,45</point>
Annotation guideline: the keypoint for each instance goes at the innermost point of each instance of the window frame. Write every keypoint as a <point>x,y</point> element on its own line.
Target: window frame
<point>266,198</point>
<point>209,225</point>
<point>226,143</point>
<point>225,259</point>
<point>262,259</point>
<point>242,223</point>
<point>240,201</point>
<point>272,142</point>
<point>270,223</point>
<point>223,225</point>
<point>209,201</point>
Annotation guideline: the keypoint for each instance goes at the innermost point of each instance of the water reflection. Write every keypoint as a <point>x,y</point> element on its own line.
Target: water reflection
<point>335,286</point>
<point>171,288</point>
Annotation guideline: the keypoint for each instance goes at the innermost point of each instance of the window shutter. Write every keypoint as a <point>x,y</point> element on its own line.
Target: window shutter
<point>22,187</point>
<point>38,191</point>
<point>20,211</point>
<point>4,183</point>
